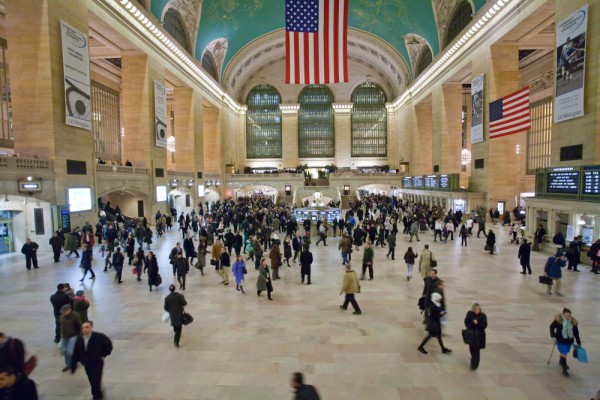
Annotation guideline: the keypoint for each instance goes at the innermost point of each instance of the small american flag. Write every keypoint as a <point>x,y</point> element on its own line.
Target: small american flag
<point>315,38</point>
<point>510,114</point>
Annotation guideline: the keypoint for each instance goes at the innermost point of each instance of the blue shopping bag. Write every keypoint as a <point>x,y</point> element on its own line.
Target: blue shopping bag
<point>581,354</point>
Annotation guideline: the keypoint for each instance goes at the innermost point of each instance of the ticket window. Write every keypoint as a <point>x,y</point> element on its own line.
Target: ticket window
<point>560,223</point>
<point>7,244</point>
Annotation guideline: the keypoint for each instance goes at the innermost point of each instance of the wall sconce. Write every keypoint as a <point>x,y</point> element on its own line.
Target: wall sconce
<point>190,183</point>
<point>217,183</point>
<point>209,183</point>
<point>174,183</point>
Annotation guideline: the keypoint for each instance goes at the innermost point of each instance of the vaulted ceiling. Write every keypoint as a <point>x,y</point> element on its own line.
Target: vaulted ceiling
<point>233,24</point>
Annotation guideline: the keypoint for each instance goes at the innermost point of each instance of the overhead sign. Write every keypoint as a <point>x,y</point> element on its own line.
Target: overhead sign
<point>477,109</point>
<point>160,114</point>
<point>76,70</point>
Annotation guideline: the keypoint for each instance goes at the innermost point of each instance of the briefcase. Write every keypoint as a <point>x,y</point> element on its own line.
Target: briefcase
<point>545,280</point>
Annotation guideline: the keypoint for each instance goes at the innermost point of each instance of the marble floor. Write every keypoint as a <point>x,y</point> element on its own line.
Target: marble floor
<point>245,347</point>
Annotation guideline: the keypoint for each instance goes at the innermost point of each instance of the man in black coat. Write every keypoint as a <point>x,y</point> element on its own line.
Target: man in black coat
<point>303,391</point>
<point>30,251</point>
<point>57,245</point>
<point>16,385</point>
<point>524,255</point>
<point>59,299</point>
<point>90,350</point>
<point>306,259</point>
<point>296,245</point>
<point>174,303</point>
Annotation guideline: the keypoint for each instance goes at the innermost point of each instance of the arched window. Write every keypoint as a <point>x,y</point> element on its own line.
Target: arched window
<point>209,65</point>
<point>316,135</point>
<point>263,123</point>
<point>425,58</point>
<point>369,121</point>
<point>173,23</point>
<point>463,15</point>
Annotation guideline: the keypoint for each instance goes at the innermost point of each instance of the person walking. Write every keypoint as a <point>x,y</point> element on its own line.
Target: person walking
<point>538,237</point>
<point>296,246</point>
<point>58,300</point>
<point>564,330</point>
<point>264,280</point>
<point>225,264</point>
<point>118,259</point>
<point>302,390</point>
<point>574,253</point>
<point>215,252</point>
<point>414,230</point>
<point>138,263</point>
<point>476,323</point>
<point>71,245</point>
<point>287,250</point>
<point>490,241</point>
<point>81,305</point>
<point>524,257</point>
<point>553,269</point>
<point>275,257</point>
<point>367,261</point>
<point>425,262</point>
<point>174,305</point>
<point>90,350</point>
<point>434,325</point>
<point>29,249</point>
<point>151,266</point>
<point>594,254</point>
<point>409,259</point>
<point>182,267</point>
<point>15,385</point>
<point>238,272</point>
<point>189,248</point>
<point>463,233</point>
<point>322,234</point>
<point>202,251</point>
<point>391,240</point>
<point>306,260</point>
<point>345,246</point>
<point>350,286</point>
<point>87,257</point>
<point>481,226</point>
<point>57,245</point>
<point>70,329</point>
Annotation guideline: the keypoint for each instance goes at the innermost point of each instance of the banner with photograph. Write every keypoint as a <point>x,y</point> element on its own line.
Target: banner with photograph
<point>570,66</point>
<point>160,114</point>
<point>477,109</point>
<point>76,72</point>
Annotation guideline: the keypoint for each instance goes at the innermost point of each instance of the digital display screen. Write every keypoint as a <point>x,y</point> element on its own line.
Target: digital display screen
<point>80,199</point>
<point>444,181</point>
<point>407,182</point>
<point>200,190</point>
<point>432,182</point>
<point>161,194</point>
<point>563,182</point>
<point>591,182</point>
<point>418,182</point>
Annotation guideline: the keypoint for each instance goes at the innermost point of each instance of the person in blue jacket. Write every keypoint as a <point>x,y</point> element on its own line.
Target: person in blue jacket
<point>553,269</point>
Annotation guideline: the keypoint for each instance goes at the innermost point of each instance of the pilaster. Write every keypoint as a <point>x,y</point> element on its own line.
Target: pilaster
<point>343,134</point>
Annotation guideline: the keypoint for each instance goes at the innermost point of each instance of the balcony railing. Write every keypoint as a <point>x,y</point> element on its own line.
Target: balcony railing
<point>22,163</point>
<point>120,169</point>
<point>180,174</point>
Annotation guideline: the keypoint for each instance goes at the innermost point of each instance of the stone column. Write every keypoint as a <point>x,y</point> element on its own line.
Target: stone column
<point>289,132</point>
<point>213,160</point>
<point>450,128</point>
<point>185,135</point>
<point>422,162</point>
<point>33,32</point>
<point>343,134</point>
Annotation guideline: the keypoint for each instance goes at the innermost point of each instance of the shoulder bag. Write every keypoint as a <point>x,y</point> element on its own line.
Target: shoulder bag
<point>468,336</point>
<point>186,318</point>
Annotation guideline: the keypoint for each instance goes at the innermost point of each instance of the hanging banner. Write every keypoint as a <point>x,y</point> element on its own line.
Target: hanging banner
<point>570,66</point>
<point>477,109</point>
<point>76,71</point>
<point>160,114</point>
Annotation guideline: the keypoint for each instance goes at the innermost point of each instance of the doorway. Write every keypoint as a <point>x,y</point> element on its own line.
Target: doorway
<point>140,208</point>
<point>7,242</point>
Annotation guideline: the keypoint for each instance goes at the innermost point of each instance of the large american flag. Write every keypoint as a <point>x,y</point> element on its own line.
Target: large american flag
<point>315,38</point>
<point>510,114</point>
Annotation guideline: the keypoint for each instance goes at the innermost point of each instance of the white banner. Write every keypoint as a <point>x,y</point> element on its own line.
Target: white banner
<point>160,114</point>
<point>570,66</point>
<point>76,70</point>
<point>477,109</point>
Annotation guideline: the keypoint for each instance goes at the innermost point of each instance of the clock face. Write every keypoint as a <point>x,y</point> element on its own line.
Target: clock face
<point>317,195</point>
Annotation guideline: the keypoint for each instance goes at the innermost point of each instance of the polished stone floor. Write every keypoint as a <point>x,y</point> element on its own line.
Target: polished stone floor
<point>245,347</point>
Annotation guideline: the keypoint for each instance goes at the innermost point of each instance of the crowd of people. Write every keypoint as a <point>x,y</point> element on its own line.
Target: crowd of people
<point>255,229</point>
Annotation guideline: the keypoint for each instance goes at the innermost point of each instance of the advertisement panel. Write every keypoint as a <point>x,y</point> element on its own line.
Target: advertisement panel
<point>160,114</point>
<point>76,72</point>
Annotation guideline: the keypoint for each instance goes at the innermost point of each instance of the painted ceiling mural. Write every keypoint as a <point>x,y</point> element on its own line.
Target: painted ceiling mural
<point>241,21</point>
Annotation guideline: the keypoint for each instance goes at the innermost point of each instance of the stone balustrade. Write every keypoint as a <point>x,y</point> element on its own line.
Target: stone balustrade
<point>22,163</point>
<point>120,169</point>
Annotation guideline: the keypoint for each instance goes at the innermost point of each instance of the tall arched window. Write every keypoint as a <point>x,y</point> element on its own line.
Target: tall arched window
<point>209,65</point>
<point>425,58</point>
<point>173,24</point>
<point>463,15</point>
<point>369,121</point>
<point>316,134</point>
<point>263,123</point>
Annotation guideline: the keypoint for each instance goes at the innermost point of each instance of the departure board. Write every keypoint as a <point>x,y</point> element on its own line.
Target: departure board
<point>418,182</point>
<point>432,182</point>
<point>407,182</point>
<point>563,182</point>
<point>591,182</point>
<point>444,182</point>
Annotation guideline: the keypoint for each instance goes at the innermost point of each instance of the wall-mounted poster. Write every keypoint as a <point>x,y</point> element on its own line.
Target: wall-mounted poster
<point>76,72</point>
<point>477,109</point>
<point>160,114</point>
<point>570,66</point>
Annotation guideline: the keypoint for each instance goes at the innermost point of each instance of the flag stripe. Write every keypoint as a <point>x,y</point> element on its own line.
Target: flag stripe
<point>510,115</point>
<point>332,55</point>
<point>344,41</point>
<point>325,6</point>
<point>288,58</point>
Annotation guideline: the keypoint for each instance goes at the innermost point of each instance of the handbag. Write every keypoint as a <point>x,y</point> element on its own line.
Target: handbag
<point>546,280</point>
<point>166,317</point>
<point>135,260</point>
<point>433,263</point>
<point>495,248</point>
<point>244,270</point>
<point>186,319</point>
<point>486,248</point>
<point>580,354</point>
<point>213,262</point>
<point>468,336</point>
<point>134,271</point>
<point>158,280</point>
<point>421,303</point>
